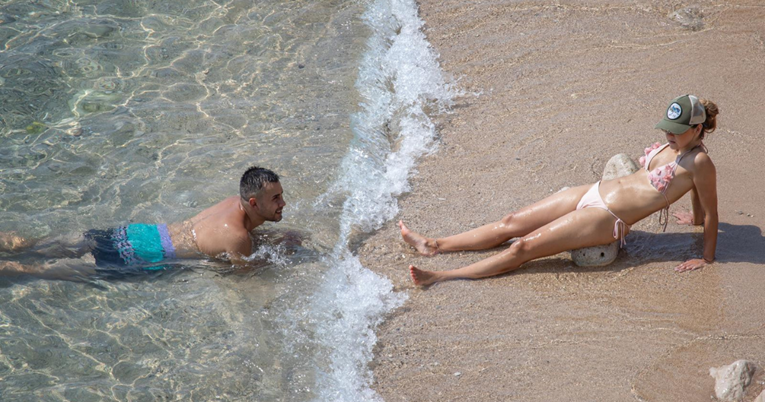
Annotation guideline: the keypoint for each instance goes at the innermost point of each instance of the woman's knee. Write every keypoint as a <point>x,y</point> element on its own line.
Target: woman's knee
<point>518,249</point>
<point>508,220</point>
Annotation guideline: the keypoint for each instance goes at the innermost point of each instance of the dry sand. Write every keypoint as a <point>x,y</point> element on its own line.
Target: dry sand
<point>553,90</point>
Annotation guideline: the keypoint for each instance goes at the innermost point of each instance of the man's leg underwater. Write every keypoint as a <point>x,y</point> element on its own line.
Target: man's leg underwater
<point>71,245</point>
<point>71,269</point>
<point>11,242</point>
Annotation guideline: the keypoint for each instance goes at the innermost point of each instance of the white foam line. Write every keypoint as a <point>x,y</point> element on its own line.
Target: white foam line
<point>398,78</point>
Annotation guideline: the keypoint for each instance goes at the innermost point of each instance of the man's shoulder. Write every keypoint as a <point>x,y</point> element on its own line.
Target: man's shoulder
<point>227,206</point>
<point>218,234</point>
<point>226,203</point>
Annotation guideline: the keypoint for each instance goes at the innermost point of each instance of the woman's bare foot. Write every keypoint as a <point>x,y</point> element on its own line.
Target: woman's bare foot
<point>422,244</point>
<point>421,277</point>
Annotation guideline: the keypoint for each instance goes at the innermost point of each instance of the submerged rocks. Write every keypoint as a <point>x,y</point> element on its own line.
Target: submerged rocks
<point>6,18</point>
<point>690,18</point>
<point>618,166</point>
<point>730,381</point>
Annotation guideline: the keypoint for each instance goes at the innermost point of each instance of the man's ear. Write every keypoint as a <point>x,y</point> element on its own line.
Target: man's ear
<point>253,202</point>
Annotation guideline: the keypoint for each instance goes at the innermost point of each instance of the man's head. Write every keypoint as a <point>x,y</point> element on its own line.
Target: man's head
<point>260,189</point>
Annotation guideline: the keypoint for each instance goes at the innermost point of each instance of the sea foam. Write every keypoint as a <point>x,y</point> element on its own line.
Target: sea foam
<point>399,81</point>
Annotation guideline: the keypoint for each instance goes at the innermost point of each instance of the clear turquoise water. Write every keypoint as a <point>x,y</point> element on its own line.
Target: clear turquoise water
<point>141,111</point>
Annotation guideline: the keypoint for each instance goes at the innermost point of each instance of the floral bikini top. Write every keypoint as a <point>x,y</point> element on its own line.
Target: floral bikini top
<point>662,175</point>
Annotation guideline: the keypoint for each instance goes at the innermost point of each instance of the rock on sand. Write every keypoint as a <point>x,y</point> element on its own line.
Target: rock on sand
<point>730,381</point>
<point>618,166</point>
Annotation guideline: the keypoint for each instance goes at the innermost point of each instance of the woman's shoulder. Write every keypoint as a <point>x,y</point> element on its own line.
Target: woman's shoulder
<point>702,157</point>
<point>702,163</point>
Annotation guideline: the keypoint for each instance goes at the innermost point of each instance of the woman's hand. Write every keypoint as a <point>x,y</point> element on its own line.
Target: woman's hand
<point>684,218</point>
<point>691,265</point>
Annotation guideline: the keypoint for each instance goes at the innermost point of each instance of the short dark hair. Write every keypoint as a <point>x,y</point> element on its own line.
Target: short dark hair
<point>254,179</point>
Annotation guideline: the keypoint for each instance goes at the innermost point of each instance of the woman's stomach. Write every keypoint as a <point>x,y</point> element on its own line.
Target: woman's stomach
<point>632,197</point>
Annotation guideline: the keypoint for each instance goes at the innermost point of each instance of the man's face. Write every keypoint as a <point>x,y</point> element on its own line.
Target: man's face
<point>270,202</point>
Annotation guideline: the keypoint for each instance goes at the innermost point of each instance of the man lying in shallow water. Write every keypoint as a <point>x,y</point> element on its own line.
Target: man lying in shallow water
<point>222,230</point>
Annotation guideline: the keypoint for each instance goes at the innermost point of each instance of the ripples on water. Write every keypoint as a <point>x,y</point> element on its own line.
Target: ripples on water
<point>118,111</point>
<point>125,109</point>
<point>139,111</point>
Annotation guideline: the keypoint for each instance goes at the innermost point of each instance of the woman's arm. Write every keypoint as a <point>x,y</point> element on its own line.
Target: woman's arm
<point>705,182</point>
<point>698,209</point>
<point>696,217</point>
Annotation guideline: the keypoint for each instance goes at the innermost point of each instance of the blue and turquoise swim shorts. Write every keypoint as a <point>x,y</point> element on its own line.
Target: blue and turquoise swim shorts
<point>136,245</point>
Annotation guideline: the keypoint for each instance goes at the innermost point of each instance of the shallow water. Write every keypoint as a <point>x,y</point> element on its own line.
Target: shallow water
<point>117,112</point>
<point>177,337</point>
<point>155,109</point>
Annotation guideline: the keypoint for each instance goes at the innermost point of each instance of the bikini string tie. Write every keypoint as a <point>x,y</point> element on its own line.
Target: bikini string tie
<point>620,230</point>
<point>664,214</point>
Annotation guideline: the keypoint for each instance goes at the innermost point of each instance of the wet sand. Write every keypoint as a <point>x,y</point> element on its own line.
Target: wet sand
<point>552,92</point>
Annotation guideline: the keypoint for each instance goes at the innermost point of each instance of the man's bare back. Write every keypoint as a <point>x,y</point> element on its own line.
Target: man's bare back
<point>225,227</point>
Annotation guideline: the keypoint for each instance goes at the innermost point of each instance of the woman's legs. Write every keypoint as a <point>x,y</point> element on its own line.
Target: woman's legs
<point>583,228</point>
<point>515,224</point>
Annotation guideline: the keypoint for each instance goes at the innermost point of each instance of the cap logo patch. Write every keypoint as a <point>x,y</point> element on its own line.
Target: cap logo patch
<point>674,111</point>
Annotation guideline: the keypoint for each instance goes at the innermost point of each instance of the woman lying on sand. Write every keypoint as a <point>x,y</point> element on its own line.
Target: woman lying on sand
<point>597,214</point>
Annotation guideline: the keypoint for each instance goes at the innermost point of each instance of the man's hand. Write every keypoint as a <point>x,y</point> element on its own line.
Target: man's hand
<point>291,239</point>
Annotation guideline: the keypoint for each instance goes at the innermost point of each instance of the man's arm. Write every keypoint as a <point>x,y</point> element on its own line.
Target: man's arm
<point>239,247</point>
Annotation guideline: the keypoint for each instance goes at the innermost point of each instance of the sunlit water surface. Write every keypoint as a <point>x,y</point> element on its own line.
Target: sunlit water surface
<point>114,112</point>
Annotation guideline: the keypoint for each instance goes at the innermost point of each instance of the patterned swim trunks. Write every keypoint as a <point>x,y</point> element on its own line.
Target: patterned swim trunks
<point>138,246</point>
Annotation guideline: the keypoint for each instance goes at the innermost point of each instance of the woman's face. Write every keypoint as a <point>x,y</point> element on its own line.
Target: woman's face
<point>683,141</point>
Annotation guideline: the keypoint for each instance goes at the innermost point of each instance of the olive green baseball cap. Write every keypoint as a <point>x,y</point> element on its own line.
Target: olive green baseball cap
<point>682,113</point>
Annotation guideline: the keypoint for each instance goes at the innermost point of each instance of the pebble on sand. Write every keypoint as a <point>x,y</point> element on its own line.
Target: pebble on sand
<point>690,18</point>
<point>730,381</point>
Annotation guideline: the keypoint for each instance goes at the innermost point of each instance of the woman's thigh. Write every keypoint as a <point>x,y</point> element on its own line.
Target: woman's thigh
<point>549,208</point>
<point>580,228</point>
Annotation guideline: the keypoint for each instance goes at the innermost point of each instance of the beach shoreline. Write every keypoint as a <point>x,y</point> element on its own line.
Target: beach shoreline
<point>551,93</point>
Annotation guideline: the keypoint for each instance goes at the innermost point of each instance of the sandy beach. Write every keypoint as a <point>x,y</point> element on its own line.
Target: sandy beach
<point>552,90</point>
